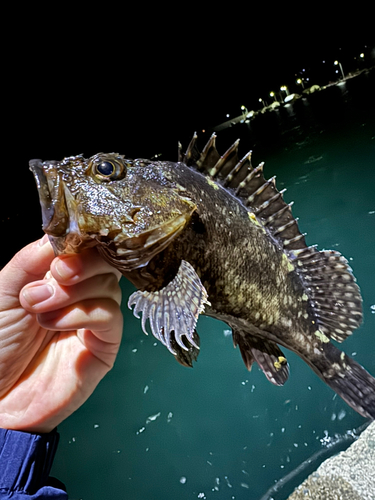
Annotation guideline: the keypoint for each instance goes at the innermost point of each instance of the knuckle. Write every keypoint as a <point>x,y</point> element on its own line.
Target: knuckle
<point>110,284</point>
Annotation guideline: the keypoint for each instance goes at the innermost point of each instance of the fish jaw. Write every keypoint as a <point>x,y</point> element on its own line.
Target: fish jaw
<point>51,197</point>
<point>59,211</point>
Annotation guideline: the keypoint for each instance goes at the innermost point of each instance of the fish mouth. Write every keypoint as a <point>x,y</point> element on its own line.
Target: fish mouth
<point>51,197</point>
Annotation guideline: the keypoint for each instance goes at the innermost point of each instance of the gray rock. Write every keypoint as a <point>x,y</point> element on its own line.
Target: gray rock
<point>350,475</point>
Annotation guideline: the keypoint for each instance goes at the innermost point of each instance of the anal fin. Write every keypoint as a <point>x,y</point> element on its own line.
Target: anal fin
<point>266,353</point>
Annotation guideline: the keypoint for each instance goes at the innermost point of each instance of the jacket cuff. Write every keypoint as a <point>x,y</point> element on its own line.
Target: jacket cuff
<point>26,459</point>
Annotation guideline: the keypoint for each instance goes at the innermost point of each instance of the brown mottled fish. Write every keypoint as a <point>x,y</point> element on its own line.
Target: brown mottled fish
<point>210,234</point>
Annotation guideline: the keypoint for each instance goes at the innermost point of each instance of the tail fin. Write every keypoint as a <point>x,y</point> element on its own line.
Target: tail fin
<point>347,378</point>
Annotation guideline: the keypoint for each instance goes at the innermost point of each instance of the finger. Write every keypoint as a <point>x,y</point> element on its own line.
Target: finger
<point>72,268</point>
<point>48,295</point>
<point>29,264</point>
<point>103,317</point>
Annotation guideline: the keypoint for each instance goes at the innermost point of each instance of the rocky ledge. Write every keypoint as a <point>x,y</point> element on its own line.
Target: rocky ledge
<point>350,475</point>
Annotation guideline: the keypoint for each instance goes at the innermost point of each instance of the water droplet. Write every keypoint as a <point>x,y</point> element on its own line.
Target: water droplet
<point>341,414</point>
<point>183,479</point>
<point>228,483</point>
<point>152,418</point>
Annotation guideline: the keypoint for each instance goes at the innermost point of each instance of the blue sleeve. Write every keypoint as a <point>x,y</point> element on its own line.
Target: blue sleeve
<point>25,463</point>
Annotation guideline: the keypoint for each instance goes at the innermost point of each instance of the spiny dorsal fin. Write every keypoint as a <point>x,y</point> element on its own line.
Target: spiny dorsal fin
<point>330,285</point>
<point>249,185</point>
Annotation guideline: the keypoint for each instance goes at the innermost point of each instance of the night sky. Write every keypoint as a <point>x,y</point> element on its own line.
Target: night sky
<point>139,82</point>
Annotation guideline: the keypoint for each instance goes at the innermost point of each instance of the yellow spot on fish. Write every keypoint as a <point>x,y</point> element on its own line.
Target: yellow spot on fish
<point>286,263</point>
<point>281,361</point>
<point>253,219</point>
<point>212,183</point>
<point>321,336</point>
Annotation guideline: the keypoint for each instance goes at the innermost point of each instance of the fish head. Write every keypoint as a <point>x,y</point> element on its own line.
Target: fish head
<point>129,209</point>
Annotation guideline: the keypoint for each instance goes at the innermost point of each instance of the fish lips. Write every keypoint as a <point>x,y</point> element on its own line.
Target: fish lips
<point>51,197</point>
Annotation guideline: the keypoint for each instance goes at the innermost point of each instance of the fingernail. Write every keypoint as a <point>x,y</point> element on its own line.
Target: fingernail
<point>38,293</point>
<point>67,267</point>
<point>44,240</point>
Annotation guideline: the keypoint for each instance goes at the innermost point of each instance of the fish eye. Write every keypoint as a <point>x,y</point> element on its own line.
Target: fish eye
<point>108,169</point>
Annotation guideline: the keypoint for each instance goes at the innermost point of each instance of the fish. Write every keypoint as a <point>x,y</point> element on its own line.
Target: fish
<point>209,234</point>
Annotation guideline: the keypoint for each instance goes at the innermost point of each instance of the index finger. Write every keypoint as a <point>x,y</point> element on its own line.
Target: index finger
<point>69,269</point>
<point>29,264</point>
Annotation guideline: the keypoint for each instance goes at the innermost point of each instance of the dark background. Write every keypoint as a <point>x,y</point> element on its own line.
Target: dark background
<point>138,79</point>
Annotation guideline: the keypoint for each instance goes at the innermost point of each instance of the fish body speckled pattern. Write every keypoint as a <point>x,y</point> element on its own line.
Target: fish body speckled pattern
<point>209,234</point>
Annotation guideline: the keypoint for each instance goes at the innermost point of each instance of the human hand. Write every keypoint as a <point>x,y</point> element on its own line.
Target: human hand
<point>54,349</point>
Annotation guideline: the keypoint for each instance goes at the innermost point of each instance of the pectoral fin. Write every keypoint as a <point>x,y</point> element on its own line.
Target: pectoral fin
<point>173,312</point>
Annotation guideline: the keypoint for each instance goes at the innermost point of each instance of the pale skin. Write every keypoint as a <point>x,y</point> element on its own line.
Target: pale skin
<point>60,331</point>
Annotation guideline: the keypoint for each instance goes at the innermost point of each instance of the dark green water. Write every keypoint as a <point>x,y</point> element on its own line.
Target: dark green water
<point>156,430</point>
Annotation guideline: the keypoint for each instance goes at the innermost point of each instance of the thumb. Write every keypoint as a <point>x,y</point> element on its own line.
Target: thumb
<point>29,264</point>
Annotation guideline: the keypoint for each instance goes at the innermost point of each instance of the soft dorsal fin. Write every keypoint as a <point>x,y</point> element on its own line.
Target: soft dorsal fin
<point>329,282</point>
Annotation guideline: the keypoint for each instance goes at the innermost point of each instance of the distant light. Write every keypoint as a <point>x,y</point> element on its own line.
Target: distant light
<point>243,108</point>
<point>336,63</point>
<point>227,115</point>
<point>362,55</point>
<point>272,94</point>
